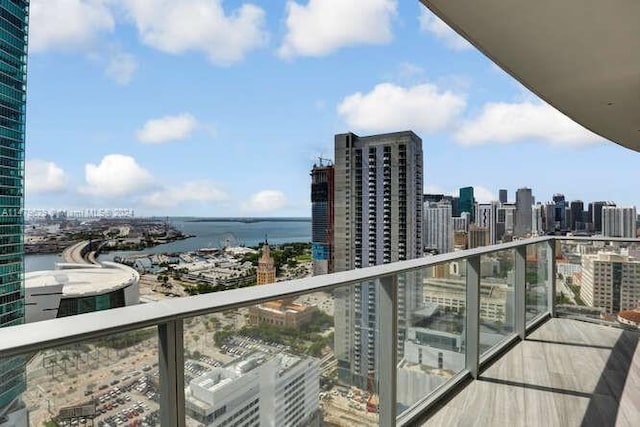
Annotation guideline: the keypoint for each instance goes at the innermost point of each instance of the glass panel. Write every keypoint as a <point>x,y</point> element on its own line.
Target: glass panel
<point>431,329</point>
<point>536,280</point>
<point>497,277</point>
<point>598,280</point>
<point>275,364</point>
<point>112,381</point>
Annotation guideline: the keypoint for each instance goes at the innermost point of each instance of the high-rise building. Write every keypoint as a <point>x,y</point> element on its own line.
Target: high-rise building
<point>610,281</point>
<point>461,223</point>
<point>438,227</point>
<point>322,218</point>
<point>502,196</point>
<point>524,202</point>
<point>537,226</point>
<point>577,221</point>
<point>549,218</point>
<point>478,236</point>
<point>266,272</point>
<point>596,214</point>
<point>13,74</point>
<point>619,222</point>
<point>467,201</point>
<point>486,217</point>
<point>378,220</point>
<point>258,390</point>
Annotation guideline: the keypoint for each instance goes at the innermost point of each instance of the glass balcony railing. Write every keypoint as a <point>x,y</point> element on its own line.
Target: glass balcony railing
<point>375,346</point>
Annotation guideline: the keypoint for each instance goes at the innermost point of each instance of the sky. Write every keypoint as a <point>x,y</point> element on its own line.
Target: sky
<point>221,107</point>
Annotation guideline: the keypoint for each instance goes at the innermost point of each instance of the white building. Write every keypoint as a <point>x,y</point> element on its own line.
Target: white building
<point>486,217</point>
<point>260,390</point>
<point>79,288</point>
<point>537,225</point>
<point>378,219</point>
<point>438,227</point>
<point>610,281</point>
<point>619,221</point>
<point>461,223</point>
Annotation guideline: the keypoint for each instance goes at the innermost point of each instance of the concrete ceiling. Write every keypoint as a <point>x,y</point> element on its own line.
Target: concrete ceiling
<point>581,56</point>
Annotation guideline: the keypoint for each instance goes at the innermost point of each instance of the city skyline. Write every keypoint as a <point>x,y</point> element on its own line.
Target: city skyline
<point>177,117</point>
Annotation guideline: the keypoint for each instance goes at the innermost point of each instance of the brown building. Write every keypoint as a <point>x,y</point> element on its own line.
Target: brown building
<point>281,313</point>
<point>266,267</point>
<point>478,236</point>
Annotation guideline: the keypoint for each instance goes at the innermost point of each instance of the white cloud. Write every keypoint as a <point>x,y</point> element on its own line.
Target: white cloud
<point>323,26</point>
<point>199,25</point>
<point>44,177</point>
<point>168,128</point>
<point>390,107</point>
<point>265,201</point>
<point>501,122</point>
<point>67,24</point>
<point>434,25</point>
<point>198,191</point>
<point>117,175</point>
<point>483,195</point>
<point>121,67</point>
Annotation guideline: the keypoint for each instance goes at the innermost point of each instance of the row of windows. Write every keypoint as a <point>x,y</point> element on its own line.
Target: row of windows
<point>231,419</point>
<point>17,138</point>
<point>13,306</point>
<point>13,26</point>
<point>12,55</point>
<point>73,306</point>
<point>18,9</point>
<point>13,318</point>
<point>6,36</point>
<point>8,80</point>
<point>11,172</point>
<point>11,219</point>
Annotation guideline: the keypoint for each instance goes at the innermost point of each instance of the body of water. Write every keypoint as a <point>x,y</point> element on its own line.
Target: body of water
<point>209,234</point>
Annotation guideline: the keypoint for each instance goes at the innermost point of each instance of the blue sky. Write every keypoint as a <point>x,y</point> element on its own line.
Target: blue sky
<point>219,108</point>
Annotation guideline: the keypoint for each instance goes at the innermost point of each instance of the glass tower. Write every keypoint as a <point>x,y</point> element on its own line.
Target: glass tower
<point>13,77</point>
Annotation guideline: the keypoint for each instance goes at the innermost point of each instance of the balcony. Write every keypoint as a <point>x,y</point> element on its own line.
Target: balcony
<point>486,339</point>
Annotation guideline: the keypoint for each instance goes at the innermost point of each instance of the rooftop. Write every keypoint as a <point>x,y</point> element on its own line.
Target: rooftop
<point>84,279</point>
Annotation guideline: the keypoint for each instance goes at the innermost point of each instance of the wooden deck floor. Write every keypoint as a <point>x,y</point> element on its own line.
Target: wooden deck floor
<point>566,373</point>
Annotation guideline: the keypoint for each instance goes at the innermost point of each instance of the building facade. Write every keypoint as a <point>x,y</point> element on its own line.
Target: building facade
<point>266,272</point>
<point>260,390</point>
<point>486,217</point>
<point>438,227</point>
<point>610,281</point>
<point>322,218</point>
<point>619,222</point>
<point>13,75</point>
<point>378,219</point>
<point>79,288</point>
<point>524,202</point>
<point>281,313</point>
<point>467,201</point>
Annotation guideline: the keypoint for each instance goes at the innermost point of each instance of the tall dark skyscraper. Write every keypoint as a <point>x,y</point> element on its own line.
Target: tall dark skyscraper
<point>377,220</point>
<point>523,220</point>
<point>577,222</point>
<point>502,196</point>
<point>322,218</point>
<point>467,201</point>
<point>13,76</point>
<point>596,214</point>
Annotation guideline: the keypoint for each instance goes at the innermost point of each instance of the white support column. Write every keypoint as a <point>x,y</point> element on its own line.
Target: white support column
<point>171,368</point>
<point>387,340</point>
<point>473,315</point>
<point>551,268</point>
<point>520,291</point>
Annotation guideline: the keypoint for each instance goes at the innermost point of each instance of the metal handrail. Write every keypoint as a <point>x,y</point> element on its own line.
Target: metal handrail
<point>21,339</point>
